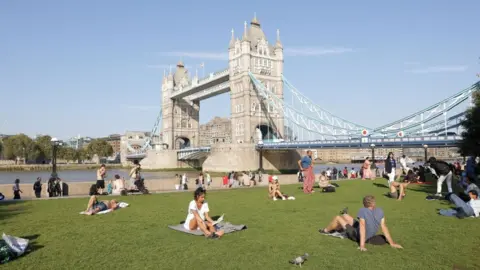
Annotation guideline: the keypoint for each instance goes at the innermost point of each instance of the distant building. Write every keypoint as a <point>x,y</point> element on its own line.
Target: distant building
<point>218,130</point>
<point>114,140</point>
<point>78,142</point>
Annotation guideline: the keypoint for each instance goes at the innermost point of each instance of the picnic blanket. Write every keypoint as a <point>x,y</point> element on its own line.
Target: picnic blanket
<point>120,205</point>
<point>225,226</point>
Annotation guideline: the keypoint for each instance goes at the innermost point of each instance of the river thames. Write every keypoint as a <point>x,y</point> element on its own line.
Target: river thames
<point>90,175</point>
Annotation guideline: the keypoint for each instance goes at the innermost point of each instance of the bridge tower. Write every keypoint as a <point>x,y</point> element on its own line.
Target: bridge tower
<point>180,121</point>
<point>253,53</point>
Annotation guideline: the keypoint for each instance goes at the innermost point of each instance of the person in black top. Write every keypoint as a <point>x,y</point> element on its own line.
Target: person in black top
<point>37,187</point>
<point>443,171</point>
<point>390,166</point>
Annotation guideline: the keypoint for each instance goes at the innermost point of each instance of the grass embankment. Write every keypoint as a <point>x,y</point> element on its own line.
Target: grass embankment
<point>138,237</point>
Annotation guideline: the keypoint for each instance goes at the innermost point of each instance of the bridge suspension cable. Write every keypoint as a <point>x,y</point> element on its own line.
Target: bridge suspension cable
<point>304,121</point>
<point>322,114</point>
<point>420,118</point>
<point>148,139</point>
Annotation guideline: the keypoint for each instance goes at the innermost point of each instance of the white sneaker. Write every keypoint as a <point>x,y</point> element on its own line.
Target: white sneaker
<point>274,198</point>
<point>283,198</point>
<point>438,195</point>
<point>291,198</point>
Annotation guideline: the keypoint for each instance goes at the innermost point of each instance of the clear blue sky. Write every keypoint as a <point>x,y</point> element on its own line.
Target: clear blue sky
<point>95,67</point>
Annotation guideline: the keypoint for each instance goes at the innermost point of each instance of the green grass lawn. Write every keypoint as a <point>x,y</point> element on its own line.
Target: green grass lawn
<point>138,238</point>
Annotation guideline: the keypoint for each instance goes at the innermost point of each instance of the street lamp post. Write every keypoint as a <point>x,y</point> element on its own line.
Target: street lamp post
<point>55,143</point>
<point>425,147</point>
<point>373,156</point>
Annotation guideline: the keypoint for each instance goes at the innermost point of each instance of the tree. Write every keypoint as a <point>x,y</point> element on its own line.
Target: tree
<point>68,153</point>
<point>82,154</point>
<point>469,145</point>
<point>20,146</point>
<point>99,147</point>
<point>44,143</point>
<point>1,148</point>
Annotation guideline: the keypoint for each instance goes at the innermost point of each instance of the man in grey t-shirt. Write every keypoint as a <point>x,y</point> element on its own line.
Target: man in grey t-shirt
<point>363,230</point>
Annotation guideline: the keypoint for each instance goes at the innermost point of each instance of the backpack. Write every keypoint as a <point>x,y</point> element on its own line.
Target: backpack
<point>328,189</point>
<point>93,190</point>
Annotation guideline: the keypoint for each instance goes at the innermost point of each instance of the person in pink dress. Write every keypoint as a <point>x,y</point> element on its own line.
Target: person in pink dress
<point>367,172</point>
<point>306,167</point>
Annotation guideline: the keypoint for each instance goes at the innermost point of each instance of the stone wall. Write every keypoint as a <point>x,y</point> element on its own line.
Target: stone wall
<point>244,157</point>
<point>154,185</point>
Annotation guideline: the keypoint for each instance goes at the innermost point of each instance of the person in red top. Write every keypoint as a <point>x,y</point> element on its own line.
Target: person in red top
<point>225,181</point>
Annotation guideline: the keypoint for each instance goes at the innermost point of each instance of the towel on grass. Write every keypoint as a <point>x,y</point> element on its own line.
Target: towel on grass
<point>225,226</point>
<point>120,205</point>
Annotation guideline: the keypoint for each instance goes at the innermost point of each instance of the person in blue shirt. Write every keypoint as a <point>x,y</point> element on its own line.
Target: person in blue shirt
<point>306,168</point>
<point>364,230</point>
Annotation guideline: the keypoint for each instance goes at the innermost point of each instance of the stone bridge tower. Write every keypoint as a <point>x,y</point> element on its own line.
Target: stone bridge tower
<point>253,53</point>
<point>180,120</point>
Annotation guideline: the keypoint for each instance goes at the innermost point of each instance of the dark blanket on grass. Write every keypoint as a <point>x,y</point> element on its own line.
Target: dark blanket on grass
<point>224,226</point>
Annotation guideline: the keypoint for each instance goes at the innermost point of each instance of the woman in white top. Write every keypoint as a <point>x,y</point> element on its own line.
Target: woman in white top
<point>198,218</point>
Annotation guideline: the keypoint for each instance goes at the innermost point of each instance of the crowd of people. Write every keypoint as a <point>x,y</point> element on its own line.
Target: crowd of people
<point>362,229</point>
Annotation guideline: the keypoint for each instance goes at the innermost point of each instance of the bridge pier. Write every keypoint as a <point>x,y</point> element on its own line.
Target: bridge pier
<point>244,157</point>
<point>260,160</point>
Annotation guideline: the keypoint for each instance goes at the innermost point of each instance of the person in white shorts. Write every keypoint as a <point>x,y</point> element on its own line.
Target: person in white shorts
<point>198,218</point>
<point>390,167</point>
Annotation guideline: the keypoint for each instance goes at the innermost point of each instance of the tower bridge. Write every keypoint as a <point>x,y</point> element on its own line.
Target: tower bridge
<point>268,128</point>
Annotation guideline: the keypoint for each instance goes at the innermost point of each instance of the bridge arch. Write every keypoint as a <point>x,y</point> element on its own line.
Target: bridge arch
<point>182,142</point>
<point>268,132</point>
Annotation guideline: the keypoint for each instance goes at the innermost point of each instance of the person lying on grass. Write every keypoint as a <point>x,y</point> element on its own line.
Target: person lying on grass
<point>466,209</point>
<point>94,205</point>
<point>370,219</point>
<point>198,218</point>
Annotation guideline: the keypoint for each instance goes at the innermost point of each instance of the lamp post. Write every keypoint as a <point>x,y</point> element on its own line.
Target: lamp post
<point>55,143</point>
<point>425,147</point>
<point>373,156</point>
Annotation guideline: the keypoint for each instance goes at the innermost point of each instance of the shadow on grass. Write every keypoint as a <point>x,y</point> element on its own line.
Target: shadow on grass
<point>425,188</point>
<point>11,208</point>
<point>380,185</point>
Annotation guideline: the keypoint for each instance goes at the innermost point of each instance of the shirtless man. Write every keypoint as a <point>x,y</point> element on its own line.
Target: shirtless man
<point>94,206</point>
<point>101,172</point>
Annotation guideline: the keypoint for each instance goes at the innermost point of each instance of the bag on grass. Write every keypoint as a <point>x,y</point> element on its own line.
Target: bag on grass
<point>11,247</point>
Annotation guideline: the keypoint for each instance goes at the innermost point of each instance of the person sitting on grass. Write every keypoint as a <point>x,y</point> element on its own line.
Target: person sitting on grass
<point>370,219</point>
<point>198,217</point>
<point>394,193</point>
<point>94,205</point>
<point>466,209</point>
<point>324,183</point>
<point>274,189</point>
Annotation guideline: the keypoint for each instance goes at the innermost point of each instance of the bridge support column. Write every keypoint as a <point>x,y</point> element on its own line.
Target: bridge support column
<point>260,160</point>
<point>243,157</point>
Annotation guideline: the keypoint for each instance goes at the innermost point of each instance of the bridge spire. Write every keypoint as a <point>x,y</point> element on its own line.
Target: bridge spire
<point>279,43</point>
<point>245,30</point>
<point>255,20</point>
<point>232,40</point>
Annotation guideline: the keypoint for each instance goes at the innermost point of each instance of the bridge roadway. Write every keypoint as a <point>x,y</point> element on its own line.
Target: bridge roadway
<point>407,142</point>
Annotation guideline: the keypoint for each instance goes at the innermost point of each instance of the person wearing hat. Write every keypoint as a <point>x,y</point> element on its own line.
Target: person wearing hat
<point>274,189</point>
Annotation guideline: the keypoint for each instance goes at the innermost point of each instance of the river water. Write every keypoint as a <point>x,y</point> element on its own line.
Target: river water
<point>90,175</point>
